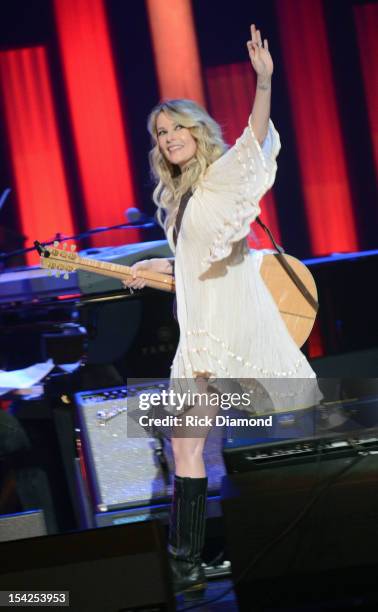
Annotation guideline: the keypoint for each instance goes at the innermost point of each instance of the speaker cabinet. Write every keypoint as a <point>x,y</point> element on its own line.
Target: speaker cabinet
<point>305,532</point>
<point>112,569</point>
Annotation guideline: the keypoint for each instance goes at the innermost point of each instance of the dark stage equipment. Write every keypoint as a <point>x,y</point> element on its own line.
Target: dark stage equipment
<point>40,473</point>
<point>347,316</point>
<point>22,525</point>
<point>354,364</point>
<point>301,519</point>
<point>117,569</point>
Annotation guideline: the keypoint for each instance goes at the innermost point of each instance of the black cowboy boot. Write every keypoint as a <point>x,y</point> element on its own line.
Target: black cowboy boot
<point>187,533</point>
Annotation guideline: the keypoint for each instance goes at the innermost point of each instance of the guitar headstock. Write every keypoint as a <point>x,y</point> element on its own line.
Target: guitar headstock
<point>58,259</point>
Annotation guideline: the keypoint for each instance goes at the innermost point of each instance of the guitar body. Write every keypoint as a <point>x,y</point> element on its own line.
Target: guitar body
<point>298,315</point>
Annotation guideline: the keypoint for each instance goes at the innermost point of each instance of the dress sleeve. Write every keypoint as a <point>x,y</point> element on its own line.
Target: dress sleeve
<point>228,197</point>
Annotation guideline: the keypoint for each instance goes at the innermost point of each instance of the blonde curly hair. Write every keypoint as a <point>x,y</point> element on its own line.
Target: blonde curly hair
<point>171,182</point>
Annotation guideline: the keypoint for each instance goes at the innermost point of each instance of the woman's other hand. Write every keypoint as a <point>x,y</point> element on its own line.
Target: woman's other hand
<point>160,265</point>
<point>259,55</point>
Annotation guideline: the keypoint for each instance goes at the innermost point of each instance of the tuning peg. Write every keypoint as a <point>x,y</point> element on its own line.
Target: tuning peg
<point>49,272</point>
<point>66,276</point>
<point>73,247</point>
<point>56,243</point>
<point>57,273</point>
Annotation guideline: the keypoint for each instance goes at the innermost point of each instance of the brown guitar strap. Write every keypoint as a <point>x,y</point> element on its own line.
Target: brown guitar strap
<point>180,213</point>
<point>176,230</point>
<point>289,270</point>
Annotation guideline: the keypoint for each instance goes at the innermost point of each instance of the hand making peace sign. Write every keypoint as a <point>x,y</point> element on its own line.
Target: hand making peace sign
<point>260,57</point>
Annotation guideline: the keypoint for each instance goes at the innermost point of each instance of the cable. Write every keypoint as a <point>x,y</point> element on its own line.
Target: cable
<point>284,533</point>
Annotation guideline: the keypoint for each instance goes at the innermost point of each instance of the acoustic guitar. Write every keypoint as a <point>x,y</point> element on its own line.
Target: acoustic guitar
<point>297,311</point>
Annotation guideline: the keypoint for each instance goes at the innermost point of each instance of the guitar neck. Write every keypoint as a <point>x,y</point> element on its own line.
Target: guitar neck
<point>155,280</point>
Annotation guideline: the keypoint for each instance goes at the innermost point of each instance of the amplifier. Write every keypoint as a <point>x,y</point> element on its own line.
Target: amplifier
<point>338,431</point>
<point>134,471</point>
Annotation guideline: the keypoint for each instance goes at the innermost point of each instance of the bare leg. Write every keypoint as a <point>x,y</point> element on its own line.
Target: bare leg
<point>188,455</point>
<point>187,450</point>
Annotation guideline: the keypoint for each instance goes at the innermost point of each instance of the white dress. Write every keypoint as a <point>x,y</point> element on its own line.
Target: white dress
<point>230,326</point>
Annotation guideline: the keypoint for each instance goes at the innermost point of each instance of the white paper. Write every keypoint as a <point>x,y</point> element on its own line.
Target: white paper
<point>25,378</point>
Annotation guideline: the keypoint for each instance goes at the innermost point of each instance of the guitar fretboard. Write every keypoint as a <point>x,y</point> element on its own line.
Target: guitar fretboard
<point>70,260</point>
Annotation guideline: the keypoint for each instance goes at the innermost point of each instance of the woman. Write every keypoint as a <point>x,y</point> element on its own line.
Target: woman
<point>230,326</point>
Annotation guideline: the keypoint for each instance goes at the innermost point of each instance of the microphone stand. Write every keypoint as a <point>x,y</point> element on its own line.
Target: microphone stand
<point>148,224</point>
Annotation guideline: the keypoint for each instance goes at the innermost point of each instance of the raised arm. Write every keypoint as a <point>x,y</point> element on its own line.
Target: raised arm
<point>263,65</point>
